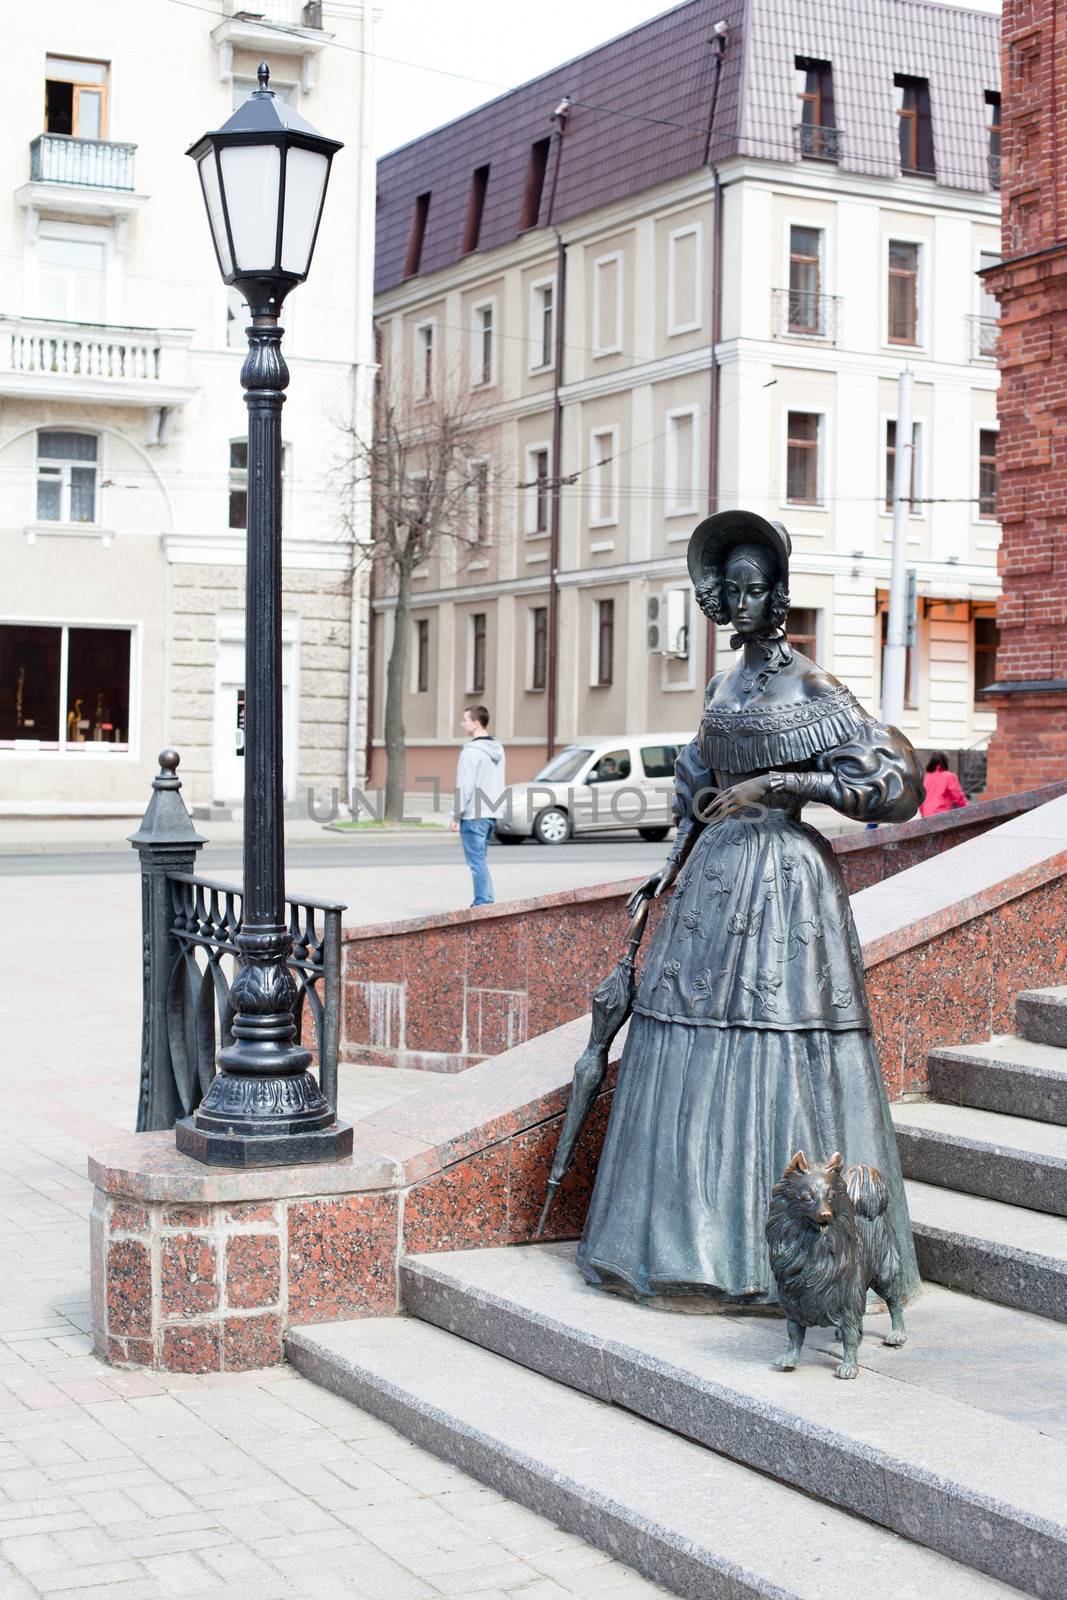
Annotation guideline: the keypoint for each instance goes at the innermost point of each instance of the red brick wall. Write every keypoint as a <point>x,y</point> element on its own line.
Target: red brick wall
<point>1030,745</point>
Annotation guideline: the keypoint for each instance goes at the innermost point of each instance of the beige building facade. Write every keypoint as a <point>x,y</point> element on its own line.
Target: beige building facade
<point>807,283</point>
<point>122,421</point>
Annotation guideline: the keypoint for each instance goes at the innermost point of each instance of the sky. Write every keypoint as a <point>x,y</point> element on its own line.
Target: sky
<point>448,56</point>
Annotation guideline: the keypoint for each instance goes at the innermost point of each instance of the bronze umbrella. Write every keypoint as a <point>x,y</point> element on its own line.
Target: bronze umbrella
<point>612,1004</point>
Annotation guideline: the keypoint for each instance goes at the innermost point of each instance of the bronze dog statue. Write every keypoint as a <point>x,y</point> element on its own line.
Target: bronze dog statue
<point>829,1242</point>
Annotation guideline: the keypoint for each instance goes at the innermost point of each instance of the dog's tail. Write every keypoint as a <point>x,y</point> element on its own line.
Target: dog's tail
<point>867,1190</point>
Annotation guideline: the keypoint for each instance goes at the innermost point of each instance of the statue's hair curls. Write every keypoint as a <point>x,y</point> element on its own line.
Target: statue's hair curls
<point>710,599</point>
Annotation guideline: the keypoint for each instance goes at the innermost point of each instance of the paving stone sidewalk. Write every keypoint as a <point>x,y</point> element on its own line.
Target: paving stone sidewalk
<point>137,1485</point>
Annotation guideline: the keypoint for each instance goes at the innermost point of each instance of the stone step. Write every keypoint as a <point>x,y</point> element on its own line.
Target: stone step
<point>995,1251</point>
<point>1013,1159</point>
<point>958,1440</point>
<point>685,1517</point>
<point>1041,1015</point>
<point>1007,1073</point>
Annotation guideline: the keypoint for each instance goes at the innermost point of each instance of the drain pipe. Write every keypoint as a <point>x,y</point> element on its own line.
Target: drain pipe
<point>559,117</point>
<point>718,45</point>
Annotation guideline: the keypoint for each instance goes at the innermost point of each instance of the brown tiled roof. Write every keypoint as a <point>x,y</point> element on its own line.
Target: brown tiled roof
<point>640,106</point>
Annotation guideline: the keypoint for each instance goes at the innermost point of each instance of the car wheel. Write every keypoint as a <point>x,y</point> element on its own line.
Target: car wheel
<point>507,838</point>
<point>653,835</point>
<point>552,826</point>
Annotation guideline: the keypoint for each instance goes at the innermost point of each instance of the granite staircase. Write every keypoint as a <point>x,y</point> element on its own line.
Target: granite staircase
<point>671,1441</point>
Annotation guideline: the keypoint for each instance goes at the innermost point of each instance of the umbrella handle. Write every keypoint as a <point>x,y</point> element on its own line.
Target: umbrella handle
<point>637,926</point>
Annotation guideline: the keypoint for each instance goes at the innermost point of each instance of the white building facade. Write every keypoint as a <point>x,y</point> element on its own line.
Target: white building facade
<point>732,336</point>
<point>123,462</point>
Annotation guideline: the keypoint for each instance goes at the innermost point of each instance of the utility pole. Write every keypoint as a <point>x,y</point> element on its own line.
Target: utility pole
<point>895,659</point>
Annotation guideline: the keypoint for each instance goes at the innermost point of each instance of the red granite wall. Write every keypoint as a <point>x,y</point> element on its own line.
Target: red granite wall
<point>1030,744</point>
<point>444,992</point>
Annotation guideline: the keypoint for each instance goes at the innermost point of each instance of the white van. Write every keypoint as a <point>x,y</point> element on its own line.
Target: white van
<point>593,786</point>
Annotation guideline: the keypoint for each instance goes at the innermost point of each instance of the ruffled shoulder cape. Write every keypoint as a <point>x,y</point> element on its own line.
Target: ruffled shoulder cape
<point>790,728</point>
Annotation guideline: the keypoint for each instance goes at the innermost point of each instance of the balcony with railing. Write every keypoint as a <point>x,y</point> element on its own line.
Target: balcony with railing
<point>94,364</point>
<point>96,163</point>
<point>802,314</point>
<point>982,338</point>
<point>816,143</point>
<point>277,27</point>
<point>282,13</point>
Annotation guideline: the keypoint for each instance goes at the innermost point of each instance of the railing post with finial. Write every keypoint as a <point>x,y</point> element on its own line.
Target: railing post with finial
<point>166,842</point>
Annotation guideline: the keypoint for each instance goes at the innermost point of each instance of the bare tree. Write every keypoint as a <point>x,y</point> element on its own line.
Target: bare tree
<point>423,471</point>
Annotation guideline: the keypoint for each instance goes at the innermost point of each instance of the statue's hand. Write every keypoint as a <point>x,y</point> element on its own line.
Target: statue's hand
<point>750,794</point>
<point>655,884</point>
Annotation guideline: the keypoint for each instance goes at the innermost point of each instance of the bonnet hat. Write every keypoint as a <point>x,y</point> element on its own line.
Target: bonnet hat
<point>716,536</point>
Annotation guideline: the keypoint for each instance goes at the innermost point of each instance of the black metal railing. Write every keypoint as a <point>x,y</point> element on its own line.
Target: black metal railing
<point>189,951</point>
<point>818,143</point>
<point>206,922</point>
<point>800,314</point>
<point>98,163</point>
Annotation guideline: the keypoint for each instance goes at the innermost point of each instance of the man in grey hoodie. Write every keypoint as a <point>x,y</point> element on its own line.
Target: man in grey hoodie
<point>480,785</point>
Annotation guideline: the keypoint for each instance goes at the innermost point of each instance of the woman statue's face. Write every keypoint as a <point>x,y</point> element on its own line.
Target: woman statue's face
<point>746,588</point>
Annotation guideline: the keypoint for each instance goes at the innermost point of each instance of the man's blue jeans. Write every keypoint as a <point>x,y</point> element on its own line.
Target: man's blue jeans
<point>475,835</point>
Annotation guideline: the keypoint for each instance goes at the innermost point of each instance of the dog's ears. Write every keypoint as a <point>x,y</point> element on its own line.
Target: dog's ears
<point>834,1163</point>
<point>799,1163</point>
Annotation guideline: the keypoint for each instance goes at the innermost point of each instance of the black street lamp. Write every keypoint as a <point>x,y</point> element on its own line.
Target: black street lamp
<point>264,177</point>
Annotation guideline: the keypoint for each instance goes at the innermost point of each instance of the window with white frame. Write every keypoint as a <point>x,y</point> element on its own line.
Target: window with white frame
<point>72,260</point>
<point>537,649</point>
<point>684,273</point>
<point>681,462</point>
<point>238,482</point>
<point>64,687</point>
<point>538,472</point>
<point>987,474</point>
<point>425,338</point>
<point>67,476</point>
<point>607,304</point>
<point>480,510</point>
<point>420,663</point>
<point>603,673</point>
<point>914,505</point>
<point>476,644</point>
<point>903,287</point>
<point>603,477</point>
<point>803,458</point>
<point>75,97</point>
<point>483,345</point>
<point>543,325</point>
<point>237,319</point>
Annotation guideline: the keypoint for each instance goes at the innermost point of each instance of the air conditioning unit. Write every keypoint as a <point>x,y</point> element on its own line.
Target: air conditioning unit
<point>668,623</point>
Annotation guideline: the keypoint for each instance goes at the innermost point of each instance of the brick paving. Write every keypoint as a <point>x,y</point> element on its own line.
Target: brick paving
<point>143,1485</point>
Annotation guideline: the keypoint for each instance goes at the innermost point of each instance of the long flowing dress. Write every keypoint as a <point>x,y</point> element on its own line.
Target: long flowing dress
<point>750,1037</point>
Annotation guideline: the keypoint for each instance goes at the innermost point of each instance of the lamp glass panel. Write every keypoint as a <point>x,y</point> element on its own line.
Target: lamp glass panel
<point>305,180</point>
<point>250,176</point>
<point>213,199</point>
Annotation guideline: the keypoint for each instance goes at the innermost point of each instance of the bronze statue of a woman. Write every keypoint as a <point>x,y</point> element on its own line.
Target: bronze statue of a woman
<point>750,1037</point>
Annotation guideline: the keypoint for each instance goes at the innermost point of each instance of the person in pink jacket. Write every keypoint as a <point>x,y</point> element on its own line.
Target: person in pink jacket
<point>943,792</point>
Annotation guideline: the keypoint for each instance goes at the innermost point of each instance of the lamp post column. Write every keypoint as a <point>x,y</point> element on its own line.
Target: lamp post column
<point>264,1107</point>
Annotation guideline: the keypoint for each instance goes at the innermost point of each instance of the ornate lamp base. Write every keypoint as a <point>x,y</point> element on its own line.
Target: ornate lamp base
<point>217,1148</point>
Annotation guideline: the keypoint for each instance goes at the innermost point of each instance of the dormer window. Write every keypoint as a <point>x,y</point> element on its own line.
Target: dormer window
<point>992,122</point>
<point>816,129</point>
<point>472,228</point>
<point>916,129</point>
<point>413,259</point>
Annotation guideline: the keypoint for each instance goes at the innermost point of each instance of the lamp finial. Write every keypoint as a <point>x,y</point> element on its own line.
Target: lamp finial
<point>263,74</point>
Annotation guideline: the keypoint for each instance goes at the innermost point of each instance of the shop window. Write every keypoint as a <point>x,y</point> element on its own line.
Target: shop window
<point>64,687</point>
